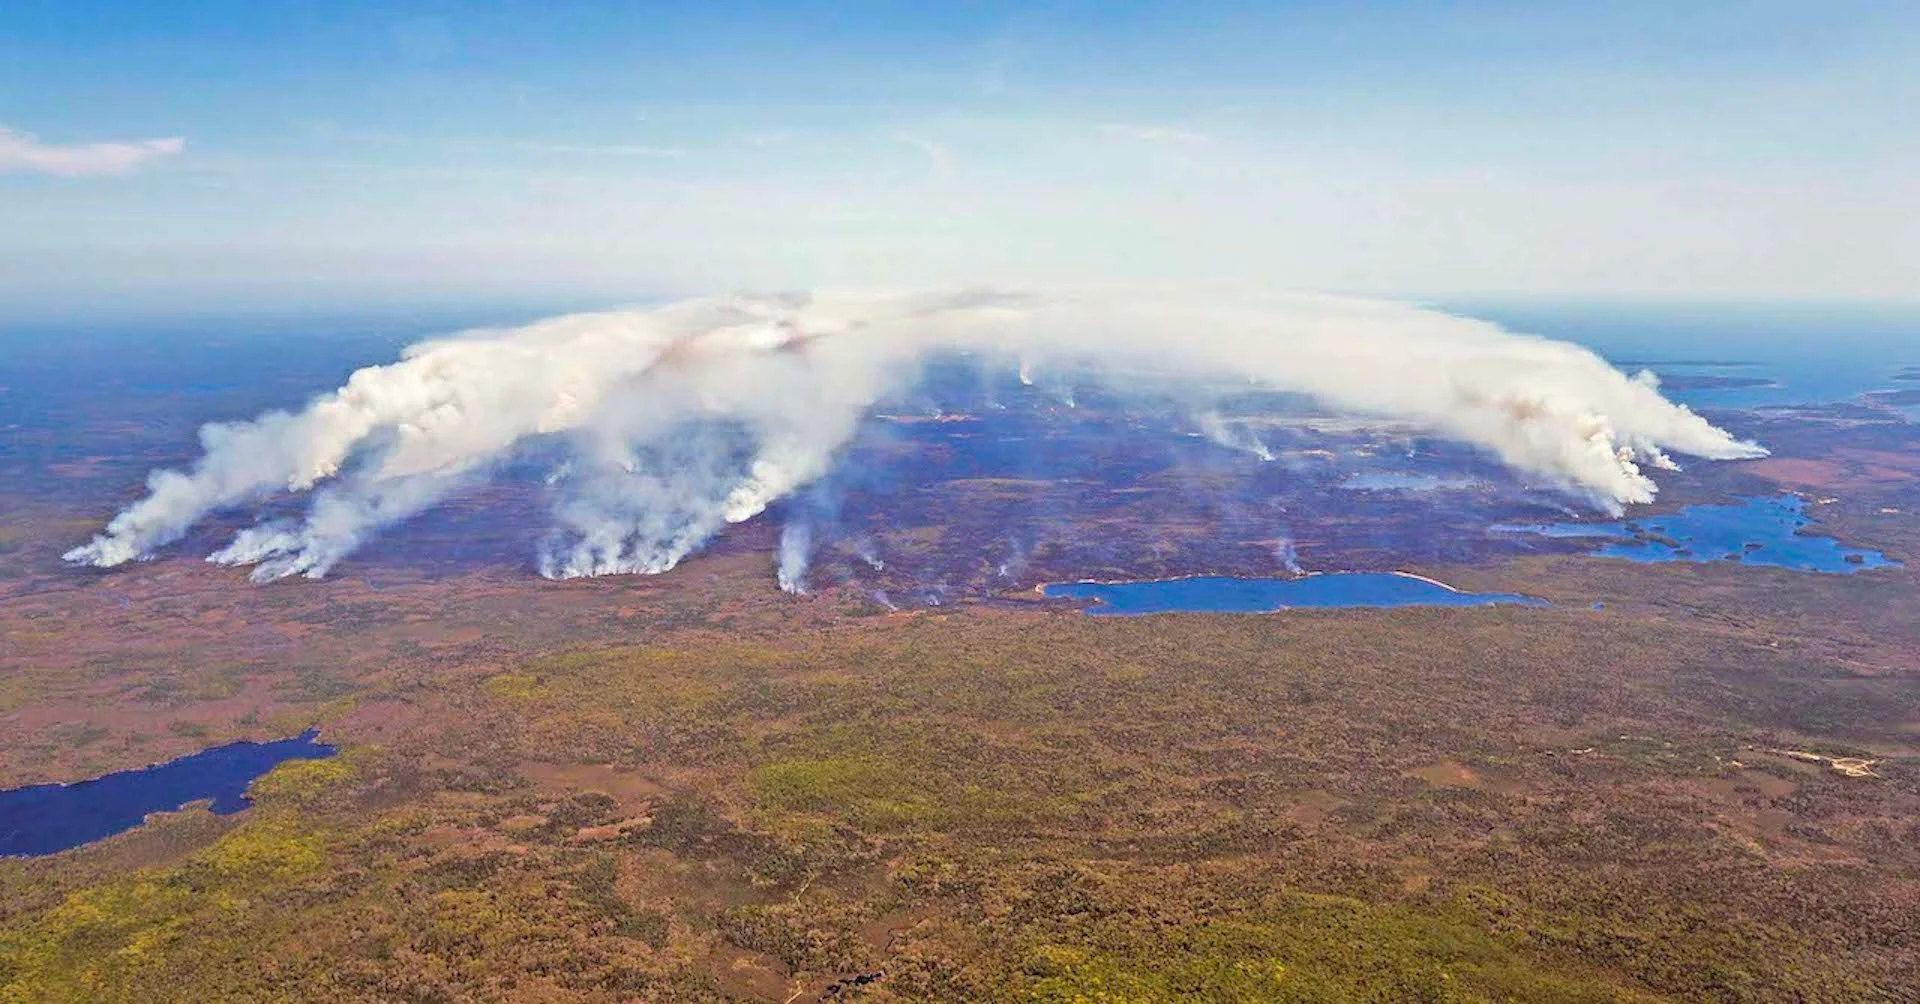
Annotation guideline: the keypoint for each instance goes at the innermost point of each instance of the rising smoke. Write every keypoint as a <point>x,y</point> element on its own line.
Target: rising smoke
<point>796,548</point>
<point>681,419</point>
<point>1220,432</point>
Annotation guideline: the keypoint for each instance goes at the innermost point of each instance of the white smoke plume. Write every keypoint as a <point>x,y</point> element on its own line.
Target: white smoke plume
<point>864,549</point>
<point>683,418</point>
<point>1235,437</point>
<point>796,549</point>
<point>1289,558</point>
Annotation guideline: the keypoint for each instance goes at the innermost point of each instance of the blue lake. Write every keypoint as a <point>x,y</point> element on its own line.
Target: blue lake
<point>49,818</point>
<point>1224,594</point>
<point>1778,354</point>
<point>1753,531</point>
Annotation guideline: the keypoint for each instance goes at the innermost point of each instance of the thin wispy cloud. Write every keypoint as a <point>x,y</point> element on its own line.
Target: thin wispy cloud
<point>1156,134</point>
<point>613,150</point>
<point>25,153</point>
<point>766,138</point>
<point>939,158</point>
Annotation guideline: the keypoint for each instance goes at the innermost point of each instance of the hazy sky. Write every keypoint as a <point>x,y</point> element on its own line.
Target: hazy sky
<point>213,152</point>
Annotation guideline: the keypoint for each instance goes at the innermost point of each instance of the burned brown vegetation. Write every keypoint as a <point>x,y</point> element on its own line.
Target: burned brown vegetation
<point>695,788</point>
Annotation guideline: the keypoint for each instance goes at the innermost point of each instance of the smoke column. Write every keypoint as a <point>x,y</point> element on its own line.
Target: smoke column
<point>796,545</point>
<point>683,418</point>
<point>1214,426</point>
<point>1287,556</point>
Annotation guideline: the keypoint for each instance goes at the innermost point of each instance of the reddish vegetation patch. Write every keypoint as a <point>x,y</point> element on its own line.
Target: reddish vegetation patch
<point>1847,467</point>
<point>1793,471</point>
<point>1906,462</point>
<point>80,467</point>
<point>628,787</point>
<point>1313,808</point>
<point>375,720</point>
<point>1448,774</point>
<point>748,974</point>
<point>1768,785</point>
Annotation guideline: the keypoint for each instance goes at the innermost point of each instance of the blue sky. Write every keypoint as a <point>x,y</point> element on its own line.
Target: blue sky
<point>204,154</point>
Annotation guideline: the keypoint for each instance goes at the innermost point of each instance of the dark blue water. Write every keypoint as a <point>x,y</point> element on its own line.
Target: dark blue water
<point>49,818</point>
<point>1218,594</point>
<point>1753,531</point>
<point>1808,353</point>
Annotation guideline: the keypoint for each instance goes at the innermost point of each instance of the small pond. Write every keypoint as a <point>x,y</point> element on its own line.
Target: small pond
<point>1224,594</point>
<point>49,818</point>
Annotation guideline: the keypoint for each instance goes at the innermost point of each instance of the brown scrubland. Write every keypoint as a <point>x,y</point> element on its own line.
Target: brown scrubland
<point>694,788</point>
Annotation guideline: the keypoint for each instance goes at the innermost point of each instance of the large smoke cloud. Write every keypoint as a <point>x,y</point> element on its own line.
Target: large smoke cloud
<point>680,419</point>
